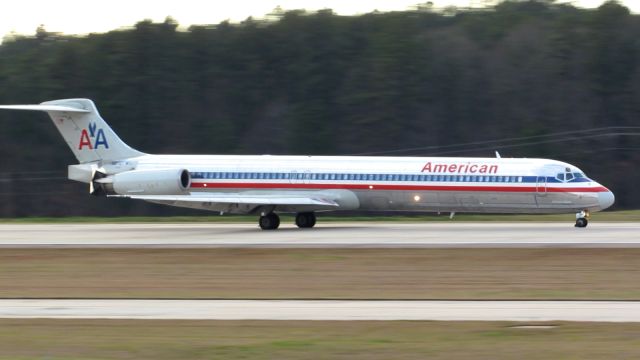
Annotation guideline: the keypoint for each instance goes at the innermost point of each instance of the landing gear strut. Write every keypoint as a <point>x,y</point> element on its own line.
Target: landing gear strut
<point>306,220</point>
<point>582,219</point>
<point>271,221</point>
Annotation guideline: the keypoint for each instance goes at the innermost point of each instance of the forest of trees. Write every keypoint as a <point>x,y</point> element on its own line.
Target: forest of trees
<point>419,82</point>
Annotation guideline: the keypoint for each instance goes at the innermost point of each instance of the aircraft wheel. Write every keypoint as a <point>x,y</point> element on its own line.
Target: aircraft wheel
<point>306,220</point>
<point>581,222</point>
<point>270,221</point>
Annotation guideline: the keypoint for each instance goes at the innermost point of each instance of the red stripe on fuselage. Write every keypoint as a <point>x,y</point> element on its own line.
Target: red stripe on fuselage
<point>493,188</point>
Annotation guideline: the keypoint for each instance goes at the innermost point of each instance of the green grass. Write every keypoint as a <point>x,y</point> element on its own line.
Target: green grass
<point>32,339</point>
<point>624,215</point>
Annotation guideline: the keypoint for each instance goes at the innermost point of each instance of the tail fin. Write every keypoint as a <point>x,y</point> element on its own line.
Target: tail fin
<point>86,133</point>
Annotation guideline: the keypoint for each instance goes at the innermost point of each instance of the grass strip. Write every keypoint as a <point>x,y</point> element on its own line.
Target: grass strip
<point>32,339</point>
<point>227,273</point>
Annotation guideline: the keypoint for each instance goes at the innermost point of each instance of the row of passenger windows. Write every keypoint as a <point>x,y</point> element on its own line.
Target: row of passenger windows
<point>355,177</point>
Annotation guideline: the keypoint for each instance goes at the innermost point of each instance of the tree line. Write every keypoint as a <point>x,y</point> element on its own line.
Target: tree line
<point>526,78</point>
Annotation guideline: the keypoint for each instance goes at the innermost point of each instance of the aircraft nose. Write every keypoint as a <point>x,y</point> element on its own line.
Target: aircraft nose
<point>605,199</point>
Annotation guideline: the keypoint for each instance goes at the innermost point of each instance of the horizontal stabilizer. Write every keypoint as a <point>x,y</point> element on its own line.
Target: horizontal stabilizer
<point>45,108</point>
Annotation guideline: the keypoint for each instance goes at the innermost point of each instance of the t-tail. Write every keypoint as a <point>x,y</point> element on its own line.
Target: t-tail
<point>86,133</point>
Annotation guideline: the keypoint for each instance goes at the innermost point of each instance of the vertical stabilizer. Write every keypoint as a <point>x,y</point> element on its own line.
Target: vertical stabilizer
<point>87,134</point>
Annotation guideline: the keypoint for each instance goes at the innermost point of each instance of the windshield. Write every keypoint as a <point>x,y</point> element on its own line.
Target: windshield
<point>568,176</point>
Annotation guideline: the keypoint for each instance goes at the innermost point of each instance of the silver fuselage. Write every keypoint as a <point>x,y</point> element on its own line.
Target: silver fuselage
<point>478,185</point>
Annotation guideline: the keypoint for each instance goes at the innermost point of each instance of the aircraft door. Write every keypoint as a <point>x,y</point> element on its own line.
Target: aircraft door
<point>299,177</point>
<point>541,185</point>
<point>293,177</point>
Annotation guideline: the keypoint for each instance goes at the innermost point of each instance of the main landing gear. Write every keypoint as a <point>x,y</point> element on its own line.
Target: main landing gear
<point>582,218</point>
<point>271,221</point>
<point>305,220</point>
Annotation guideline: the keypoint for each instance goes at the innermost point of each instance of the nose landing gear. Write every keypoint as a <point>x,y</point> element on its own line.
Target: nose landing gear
<point>582,219</point>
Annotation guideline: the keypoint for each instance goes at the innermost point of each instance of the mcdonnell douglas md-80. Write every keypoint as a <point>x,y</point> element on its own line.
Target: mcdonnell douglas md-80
<point>267,185</point>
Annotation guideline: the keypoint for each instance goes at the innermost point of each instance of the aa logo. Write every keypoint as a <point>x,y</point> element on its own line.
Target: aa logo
<point>92,138</point>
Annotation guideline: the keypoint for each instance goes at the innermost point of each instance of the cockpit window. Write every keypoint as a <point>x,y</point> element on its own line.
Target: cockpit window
<point>570,176</point>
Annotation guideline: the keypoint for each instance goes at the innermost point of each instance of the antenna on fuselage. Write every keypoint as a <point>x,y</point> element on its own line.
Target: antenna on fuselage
<point>498,154</point>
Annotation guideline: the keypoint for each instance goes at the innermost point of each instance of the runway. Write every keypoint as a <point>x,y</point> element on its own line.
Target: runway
<point>521,311</point>
<point>341,235</point>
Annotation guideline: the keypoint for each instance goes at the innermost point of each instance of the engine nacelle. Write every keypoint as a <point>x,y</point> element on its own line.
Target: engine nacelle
<point>148,182</point>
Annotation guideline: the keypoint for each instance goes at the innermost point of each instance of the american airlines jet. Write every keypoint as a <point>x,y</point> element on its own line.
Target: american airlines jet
<point>267,185</point>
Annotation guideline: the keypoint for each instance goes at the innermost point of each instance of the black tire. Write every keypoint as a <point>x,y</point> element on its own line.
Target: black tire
<point>581,222</point>
<point>306,220</point>
<point>269,222</point>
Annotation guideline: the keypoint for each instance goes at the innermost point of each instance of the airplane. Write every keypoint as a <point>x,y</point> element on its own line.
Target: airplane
<point>267,185</point>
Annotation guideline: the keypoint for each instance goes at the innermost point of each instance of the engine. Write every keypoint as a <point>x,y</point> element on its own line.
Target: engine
<point>144,182</point>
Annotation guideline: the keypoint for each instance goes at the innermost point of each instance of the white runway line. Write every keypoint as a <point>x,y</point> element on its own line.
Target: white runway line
<point>520,311</point>
<point>346,235</point>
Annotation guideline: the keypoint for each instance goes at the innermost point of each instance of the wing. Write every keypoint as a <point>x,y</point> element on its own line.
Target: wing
<point>251,201</point>
<point>239,198</point>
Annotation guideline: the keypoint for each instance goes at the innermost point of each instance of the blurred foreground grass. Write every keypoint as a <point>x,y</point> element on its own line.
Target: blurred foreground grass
<point>172,339</point>
<point>232,273</point>
<point>624,215</point>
